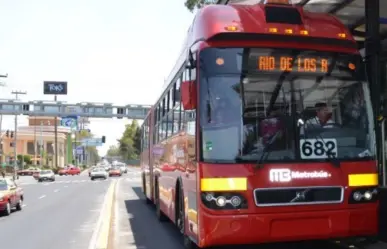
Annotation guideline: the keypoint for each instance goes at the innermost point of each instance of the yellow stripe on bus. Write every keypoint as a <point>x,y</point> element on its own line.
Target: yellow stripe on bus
<point>359,180</point>
<point>223,184</point>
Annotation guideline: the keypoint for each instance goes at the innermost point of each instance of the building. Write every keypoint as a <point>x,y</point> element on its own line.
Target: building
<point>40,130</point>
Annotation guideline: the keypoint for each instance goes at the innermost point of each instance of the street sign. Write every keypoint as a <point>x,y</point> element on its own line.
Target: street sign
<point>79,150</point>
<point>91,142</point>
<point>55,87</point>
<point>70,121</point>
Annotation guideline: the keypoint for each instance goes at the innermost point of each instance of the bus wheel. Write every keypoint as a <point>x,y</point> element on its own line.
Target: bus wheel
<point>188,243</point>
<point>160,215</point>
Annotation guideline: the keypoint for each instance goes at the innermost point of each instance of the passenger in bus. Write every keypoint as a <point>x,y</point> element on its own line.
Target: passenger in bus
<point>322,118</point>
<point>272,127</point>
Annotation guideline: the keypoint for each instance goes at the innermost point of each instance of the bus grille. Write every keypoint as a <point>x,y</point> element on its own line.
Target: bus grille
<point>298,196</point>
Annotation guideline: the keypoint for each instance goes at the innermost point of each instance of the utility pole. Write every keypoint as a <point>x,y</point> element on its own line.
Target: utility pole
<point>1,122</point>
<point>17,93</point>
<point>56,137</point>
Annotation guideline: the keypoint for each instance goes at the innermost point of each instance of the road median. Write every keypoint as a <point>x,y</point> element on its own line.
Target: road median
<point>100,239</point>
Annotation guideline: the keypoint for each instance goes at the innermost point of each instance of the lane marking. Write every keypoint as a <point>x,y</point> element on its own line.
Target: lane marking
<point>56,190</point>
<point>100,237</point>
<point>42,196</point>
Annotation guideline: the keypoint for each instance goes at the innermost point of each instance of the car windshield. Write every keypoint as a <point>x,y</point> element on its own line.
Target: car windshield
<point>283,105</point>
<point>44,172</point>
<point>3,185</point>
<point>98,169</point>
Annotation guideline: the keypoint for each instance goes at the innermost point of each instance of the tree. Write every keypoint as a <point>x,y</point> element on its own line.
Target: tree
<point>130,142</point>
<point>197,4</point>
<point>113,151</point>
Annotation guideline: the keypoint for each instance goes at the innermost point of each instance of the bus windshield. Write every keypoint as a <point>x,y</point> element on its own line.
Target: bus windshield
<point>283,105</point>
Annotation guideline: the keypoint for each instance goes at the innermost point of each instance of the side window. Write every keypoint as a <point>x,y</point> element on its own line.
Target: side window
<point>177,109</point>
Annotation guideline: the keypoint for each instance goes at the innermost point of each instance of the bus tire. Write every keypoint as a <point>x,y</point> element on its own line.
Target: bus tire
<point>180,222</point>
<point>159,213</point>
<point>147,201</point>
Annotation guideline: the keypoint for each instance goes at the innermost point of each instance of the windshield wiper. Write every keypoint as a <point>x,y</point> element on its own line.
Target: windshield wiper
<point>266,152</point>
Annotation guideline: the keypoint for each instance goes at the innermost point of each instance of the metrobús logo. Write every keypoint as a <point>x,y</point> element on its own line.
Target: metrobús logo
<point>287,175</point>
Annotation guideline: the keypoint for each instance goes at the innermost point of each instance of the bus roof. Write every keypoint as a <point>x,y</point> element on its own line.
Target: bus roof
<point>232,20</point>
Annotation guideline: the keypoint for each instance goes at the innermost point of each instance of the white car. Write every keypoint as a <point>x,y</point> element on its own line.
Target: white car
<point>98,172</point>
<point>46,175</point>
<point>123,168</point>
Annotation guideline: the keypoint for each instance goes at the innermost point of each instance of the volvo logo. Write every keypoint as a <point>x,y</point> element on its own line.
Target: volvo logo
<point>300,195</point>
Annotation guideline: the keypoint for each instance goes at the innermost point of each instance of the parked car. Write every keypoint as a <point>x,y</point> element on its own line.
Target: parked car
<point>98,172</point>
<point>11,196</point>
<point>46,175</point>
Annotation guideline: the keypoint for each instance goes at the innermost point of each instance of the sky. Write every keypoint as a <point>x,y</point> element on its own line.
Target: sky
<point>116,51</point>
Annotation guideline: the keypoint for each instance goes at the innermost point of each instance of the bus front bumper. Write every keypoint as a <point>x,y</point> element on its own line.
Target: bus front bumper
<point>282,227</point>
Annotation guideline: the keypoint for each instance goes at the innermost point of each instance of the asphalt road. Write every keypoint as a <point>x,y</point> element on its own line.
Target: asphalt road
<point>135,226</point>
<point>60,215</point>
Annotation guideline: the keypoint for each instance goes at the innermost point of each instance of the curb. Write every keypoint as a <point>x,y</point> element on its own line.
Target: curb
<point>100,238</point>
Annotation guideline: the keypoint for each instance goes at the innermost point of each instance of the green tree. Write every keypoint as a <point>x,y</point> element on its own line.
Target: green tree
<point>129,143</point>
<point>196,4</point>
<point>113,151</point>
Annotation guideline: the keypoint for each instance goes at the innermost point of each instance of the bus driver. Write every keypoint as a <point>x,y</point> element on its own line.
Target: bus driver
<point>322,118</point>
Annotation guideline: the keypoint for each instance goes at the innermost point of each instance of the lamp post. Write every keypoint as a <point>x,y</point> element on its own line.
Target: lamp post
<point>15,167</point>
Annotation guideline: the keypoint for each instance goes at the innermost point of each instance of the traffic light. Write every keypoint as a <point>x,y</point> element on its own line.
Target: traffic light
<point>7,133</point>
<point>103,139</point>
<point>11,134</point>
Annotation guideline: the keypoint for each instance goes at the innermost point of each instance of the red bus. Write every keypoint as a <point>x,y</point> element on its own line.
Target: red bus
<point>264,132</point>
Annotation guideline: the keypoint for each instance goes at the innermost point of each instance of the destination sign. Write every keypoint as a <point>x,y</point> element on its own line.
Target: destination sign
<point>290,64</point>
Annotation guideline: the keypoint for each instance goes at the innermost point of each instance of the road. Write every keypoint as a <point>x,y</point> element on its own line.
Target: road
<point>60,215</point>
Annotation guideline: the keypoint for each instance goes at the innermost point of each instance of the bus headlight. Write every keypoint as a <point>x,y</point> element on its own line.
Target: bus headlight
<point>363,195</point>
<point>218,200</point>
<point>221,201</point>
<point>235,201</point>
<point>357,196</point>
<point>368,195</point>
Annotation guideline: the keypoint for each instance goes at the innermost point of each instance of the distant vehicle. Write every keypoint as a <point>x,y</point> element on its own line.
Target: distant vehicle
<point>98,172</point>
<point>46,175</point>
<point>124,169</point>
<point>35,175</point>
<point>91,169</point>
<point>11,196</point>
<point>28,172</point>
<point>71,170</point>
<point>115,171</point>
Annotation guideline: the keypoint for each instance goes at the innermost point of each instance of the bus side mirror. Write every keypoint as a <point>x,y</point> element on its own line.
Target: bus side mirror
<point>188,95</point>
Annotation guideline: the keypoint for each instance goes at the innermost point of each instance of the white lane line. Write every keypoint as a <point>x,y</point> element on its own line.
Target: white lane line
<point>24,205</point>
<point>42,196</point>
<point>56,190</point>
